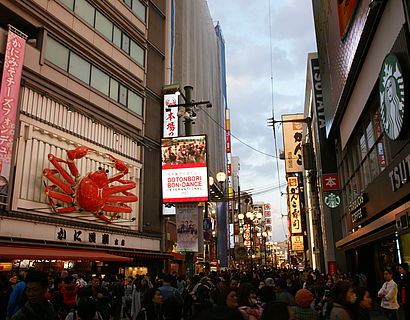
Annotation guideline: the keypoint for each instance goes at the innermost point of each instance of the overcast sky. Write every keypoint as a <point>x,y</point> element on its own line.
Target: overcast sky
<point>246,30</point>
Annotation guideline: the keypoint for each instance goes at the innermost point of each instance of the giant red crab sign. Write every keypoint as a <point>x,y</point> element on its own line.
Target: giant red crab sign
<point>92,192</point>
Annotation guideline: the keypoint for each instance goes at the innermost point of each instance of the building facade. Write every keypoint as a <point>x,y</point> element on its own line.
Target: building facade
<point>92,78</point>
<point>364,65</point>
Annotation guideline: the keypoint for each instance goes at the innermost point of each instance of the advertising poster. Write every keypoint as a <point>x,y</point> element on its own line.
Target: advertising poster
<point>184,169</point>
<point>187,227</point>
<point>9,95</point>
<point>292,141</point>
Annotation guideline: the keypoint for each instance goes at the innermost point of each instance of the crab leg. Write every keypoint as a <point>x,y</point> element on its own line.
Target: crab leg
<point>119,208</point>
<point>102,216</point>
<point>75,154</point>
<point>56,163</point>
<point>59,196</point>
<point>128,197</point>
<point>120,166</point>
<point>50,175</point>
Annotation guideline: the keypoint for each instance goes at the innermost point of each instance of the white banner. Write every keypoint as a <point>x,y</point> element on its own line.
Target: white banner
<point>170,115</point>
<point>292,141</point>
<point>187,227</point>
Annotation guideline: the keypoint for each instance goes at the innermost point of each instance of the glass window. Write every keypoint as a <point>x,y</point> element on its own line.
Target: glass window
<point>374,163</point>
<point>363,146</point>
<point>85,11</point>
<point>79,68</point>
<point>366,173</point>
<point>113,89</point>
<point>370,135</point>
<point>134,102</point>
<point>103,25</point>
<point>125,43</point>
<point>99,80</point>
<point>57,53</point>
<point>117,37</point>
<point>381,156</point>
<point>68,3</point>
<point>137,53</point>
<point>139,9</point>
<point>123,95</point>
<point>377,127</point>
<point>128,2</point>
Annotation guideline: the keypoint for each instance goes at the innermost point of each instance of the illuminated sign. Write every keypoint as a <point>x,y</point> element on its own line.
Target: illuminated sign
<point>297,243</point>
<point>294,208</point>
<point>184,169</point>
<point>292,141</point>
<point>170,115</point>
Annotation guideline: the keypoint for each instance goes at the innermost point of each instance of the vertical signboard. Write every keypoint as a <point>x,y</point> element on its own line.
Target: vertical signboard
<point>170,115</point>
<point>345,12</point>
<point>297,243</point>
<point>294,208</point>
<point>9,94</point>
<point>292,141</point>
<point>187,227</point>
<point>184,169</point>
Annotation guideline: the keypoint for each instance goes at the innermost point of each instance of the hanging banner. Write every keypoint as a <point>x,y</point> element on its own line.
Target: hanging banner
<point>9,94</point>
<point>294,209</point>
<point>170,115</point>
<point>184,169</point>
<point>292,141</point>
<point>187,227</point>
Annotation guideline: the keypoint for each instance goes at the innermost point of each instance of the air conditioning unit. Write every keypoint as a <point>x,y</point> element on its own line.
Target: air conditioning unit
<point>402,220</point>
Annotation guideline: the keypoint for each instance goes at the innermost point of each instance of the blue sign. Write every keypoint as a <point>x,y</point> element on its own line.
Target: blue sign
<point>206,224</point>
<point>251,252</point>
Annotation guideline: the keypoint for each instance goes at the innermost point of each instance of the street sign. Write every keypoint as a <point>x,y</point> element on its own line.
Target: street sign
<point>330,181</point>
<point>251,252</point>
<point>206,224</point>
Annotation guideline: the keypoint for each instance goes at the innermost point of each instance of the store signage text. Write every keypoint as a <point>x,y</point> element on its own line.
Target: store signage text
<point>75,235</point>
<point>317,86</point>
<point>399,176</point>
<point>170,115</point>
<point>356,209</point>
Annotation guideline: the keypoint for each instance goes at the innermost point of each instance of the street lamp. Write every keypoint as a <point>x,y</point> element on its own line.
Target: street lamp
<point>221,177</point>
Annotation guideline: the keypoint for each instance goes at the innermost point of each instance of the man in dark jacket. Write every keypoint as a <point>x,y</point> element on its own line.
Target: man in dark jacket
<point>36,307</point>
<point>404,288</point>
<point>102,297</point>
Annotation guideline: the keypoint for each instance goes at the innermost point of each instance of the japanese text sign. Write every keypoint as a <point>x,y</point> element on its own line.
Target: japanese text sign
<point>9,94</point>
<point>330,181</point>
<point>294,211</point>
<point>297,243</point>
<point>170,115</point>
<point>292,142</point>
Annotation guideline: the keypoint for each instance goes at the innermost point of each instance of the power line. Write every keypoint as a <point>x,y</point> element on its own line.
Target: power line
<point>244,143</point>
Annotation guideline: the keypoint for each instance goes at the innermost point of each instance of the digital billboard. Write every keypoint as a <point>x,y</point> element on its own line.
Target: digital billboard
<point>184,169</point>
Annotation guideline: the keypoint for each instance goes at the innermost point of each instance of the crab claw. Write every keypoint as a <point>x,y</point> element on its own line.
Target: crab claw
<point>78,153</point>
<point>118,164</point>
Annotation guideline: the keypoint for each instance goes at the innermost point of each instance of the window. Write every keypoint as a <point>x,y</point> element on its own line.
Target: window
<point>123,95</point>
<point>85,11</point>
<point>57,54</point>
<point>79,68</point>
<point>68,3</point>
<point>117,37</point>
<point>134,102</point>
<point>103,25</point>
<point>91,75</point>
<point>139,9</point>
<point>137,53</point>
<point>99,80</point>
<point>125,43</point>
<point>113,89</point>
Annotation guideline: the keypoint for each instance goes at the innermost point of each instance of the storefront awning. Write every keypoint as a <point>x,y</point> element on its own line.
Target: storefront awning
<point>11,252</point>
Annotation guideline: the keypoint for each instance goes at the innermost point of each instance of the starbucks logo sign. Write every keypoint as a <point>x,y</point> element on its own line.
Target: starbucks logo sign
<point>391,90</point>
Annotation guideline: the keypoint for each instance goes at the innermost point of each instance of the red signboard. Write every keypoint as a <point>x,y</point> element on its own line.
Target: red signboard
<point>332,267</point>
<point>229,169</point>
<point>228,141</point>
<point>345,10</point>
<point>9,94</point>
<point>330,181</point>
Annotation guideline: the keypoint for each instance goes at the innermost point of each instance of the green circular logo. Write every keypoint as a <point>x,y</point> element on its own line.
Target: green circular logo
<point>391,91</point>
<point>332,200</point>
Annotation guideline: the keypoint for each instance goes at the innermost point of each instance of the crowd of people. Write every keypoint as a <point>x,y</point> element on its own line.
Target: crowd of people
<point>266,294</point>
<point>184,153</point>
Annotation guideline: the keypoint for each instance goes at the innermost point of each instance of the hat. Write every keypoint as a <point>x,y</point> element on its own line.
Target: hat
<point>303,298</point>
<point>269,282</point>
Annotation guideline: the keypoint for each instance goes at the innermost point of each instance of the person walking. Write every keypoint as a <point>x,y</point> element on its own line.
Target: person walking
<point>248,305</point>
<point>101,295</point>
<point>302,310</point>
<point>388,293</point>
<point>142,285</point>
<point>150,306</point>
<point>363,304</point>
<point>17,297</point>
<point>404,288</point>
<point>36,307</point>
<point>86,307</point>
<point>128,289</point>
<point>343,300</point>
